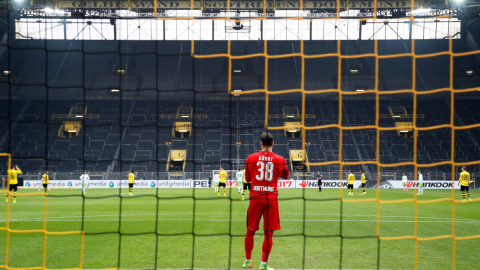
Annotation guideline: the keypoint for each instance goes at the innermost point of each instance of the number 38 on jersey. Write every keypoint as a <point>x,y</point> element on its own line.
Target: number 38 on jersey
<point>265,170</point>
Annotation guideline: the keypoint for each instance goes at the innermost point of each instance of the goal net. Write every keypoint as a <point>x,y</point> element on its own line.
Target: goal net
<point>170,90</point>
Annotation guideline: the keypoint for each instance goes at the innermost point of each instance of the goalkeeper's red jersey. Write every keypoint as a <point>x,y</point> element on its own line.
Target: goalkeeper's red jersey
<point>263,169</point>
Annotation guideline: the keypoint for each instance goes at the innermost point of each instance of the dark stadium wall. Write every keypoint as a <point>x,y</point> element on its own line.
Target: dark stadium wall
<point>50,76</point>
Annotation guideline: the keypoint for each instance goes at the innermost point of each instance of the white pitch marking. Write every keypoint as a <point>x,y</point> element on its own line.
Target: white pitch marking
<point>189,214</point>
<point>238,269</point>
<point>242,268</point>
<point>227,220</point>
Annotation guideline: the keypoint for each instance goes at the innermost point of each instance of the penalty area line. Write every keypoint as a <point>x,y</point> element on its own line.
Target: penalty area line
<point>239,214</point>
<point>229,220</point>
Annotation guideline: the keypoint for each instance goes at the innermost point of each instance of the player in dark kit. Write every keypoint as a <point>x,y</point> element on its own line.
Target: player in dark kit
<point>319,179</point>
<point>263,169</point>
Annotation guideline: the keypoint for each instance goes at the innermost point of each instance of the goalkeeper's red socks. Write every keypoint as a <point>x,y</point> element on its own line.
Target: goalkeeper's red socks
<point>249,242</point>
<point>267,245</point>
<point>266,248</point>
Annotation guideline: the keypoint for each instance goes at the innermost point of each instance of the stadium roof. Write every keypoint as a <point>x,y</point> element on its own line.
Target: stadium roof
<point>255,8</point>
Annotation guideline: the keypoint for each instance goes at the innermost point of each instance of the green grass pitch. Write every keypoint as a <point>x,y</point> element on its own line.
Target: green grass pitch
<point>216,217</point>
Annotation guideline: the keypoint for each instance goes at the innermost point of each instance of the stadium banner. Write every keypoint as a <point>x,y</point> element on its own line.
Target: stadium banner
<point>426,184</point>
<point>165,183</point>
<point>285,184</point>
<point>122,4</point>
<point>233,184</point>
<point>178,184</point>
<point>373,184</point>
<point>111,184</point>
<point>325,183</point>
<point>53,183</point>
<point>204,183</point>
<point>141,184</point>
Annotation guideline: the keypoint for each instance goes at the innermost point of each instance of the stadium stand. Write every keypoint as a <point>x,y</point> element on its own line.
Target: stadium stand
<point>133,131</point>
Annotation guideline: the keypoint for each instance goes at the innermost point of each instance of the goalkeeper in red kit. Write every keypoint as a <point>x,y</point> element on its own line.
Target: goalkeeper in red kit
<point>262,170</point>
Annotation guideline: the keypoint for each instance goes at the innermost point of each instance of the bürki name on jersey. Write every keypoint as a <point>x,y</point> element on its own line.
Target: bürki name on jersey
<point>264,158</point>
<point>263,188</point>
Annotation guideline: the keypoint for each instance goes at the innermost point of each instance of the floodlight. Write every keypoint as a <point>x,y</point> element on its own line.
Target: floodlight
<point>360,90</point>
<point>115,90</point>
<point>469,72</point>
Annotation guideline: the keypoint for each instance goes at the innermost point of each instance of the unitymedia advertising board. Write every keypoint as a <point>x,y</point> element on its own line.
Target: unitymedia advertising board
<point>205,184</point>
<point>111,184</point>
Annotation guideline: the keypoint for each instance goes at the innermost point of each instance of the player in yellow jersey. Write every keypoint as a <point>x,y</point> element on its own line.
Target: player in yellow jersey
<point>45,182</point>
<point>363,182</point>
<point>245,186</point>
<point>464,180</point>
<point>223,178</point>
<point>131,179</point>
<point>12,184</point>
<point>351,178</point>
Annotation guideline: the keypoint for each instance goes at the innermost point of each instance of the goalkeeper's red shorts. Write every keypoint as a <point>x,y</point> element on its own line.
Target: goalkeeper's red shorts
<point>265,205</point>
